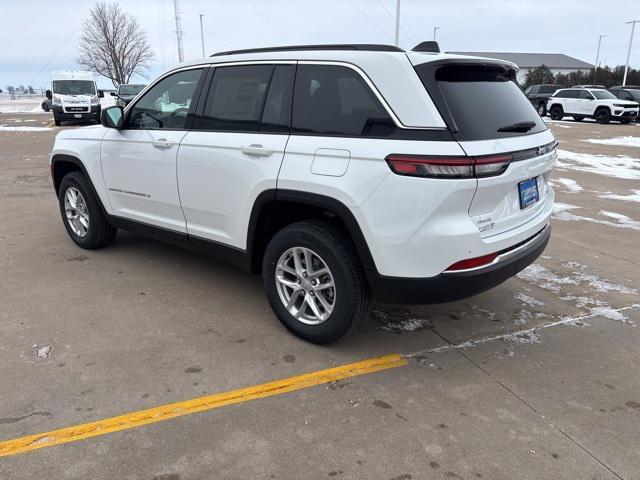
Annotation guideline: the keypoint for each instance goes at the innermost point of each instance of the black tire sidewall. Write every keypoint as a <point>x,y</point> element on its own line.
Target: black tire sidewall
<point>603,116</point>
<point>340,321</point>
<point>556,113</point>
<point>542,107</point>
<point>91,239</point>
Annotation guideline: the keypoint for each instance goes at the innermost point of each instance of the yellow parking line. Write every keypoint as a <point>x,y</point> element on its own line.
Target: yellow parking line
<point>200,404</point>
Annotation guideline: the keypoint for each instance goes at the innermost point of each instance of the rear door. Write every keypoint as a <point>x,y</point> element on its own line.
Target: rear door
<point>235,149</point>
<point>493,120</point>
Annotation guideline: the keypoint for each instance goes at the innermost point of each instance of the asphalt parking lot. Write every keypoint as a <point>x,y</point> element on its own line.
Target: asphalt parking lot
<point>536,379</point>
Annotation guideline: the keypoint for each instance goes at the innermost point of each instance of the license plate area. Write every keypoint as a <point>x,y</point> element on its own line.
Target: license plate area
<point>77,115</point>
<point>528,192</point>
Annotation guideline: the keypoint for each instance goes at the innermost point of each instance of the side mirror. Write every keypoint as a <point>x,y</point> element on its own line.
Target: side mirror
<point>112,117</point>
<point>100,94</point>
<point>48,94</point>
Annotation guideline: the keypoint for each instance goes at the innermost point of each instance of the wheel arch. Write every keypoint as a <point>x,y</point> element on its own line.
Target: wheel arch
<point>63,164</point>
<point>274,209</point>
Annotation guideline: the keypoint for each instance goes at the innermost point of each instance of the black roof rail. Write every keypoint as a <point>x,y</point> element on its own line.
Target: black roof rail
<point>355,46</point>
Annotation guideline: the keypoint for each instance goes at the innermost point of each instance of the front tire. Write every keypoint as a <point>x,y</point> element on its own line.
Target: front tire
<point>56,120</point>
<point>81,213</point>
<point>556,112</point>
<point>314,282</point>
<point>45,107</point>
<point>542,109</point>
<point>603,116</point>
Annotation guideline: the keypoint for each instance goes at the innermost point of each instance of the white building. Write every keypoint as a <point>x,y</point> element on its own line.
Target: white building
<point>557,62</point>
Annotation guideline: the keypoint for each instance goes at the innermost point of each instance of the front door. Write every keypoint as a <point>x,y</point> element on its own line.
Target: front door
<point>139,160</point>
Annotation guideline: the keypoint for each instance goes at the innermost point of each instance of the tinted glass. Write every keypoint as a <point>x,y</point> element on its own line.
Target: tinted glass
<point>635,94</point>
<point>166,105</point>
<point>585,95</point>
<point>572,94</point>
<point>335,100</point>
<point>481,99</point>
<point>547,89</point>
<point>236,98</point>
<point>603,94</point>
<point>276,116</point>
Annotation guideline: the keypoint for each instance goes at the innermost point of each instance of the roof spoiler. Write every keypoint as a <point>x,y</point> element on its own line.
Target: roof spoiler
<point>428,46</point>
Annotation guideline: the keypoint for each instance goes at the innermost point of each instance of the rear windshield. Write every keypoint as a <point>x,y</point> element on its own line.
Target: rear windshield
<point>480,101</point>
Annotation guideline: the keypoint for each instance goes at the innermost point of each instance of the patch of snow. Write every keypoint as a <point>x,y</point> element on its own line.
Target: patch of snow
<point>619,166</point>
<point>545,278</point>
<point>561,211</point>
<point>44,351</point>
<point>4,128</point>
<point>609,313</point>
<point>635,197</point>
<point>557,123</point>
<point>528,337</point>
<point>399,320</point>
<point>622,141</point>
<point>526,299</point>
<point>571,185</point>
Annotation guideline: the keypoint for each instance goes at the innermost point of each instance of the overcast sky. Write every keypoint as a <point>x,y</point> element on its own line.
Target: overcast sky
<point>38,36</point>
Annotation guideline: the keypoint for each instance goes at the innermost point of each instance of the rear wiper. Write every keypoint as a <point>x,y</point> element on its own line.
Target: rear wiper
<point>518,127</point>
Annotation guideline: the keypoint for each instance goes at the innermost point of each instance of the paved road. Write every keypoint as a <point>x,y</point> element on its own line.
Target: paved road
<point>143,324</point>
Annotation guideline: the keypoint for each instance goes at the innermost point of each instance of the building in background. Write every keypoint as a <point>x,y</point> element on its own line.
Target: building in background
<point>557,62</point>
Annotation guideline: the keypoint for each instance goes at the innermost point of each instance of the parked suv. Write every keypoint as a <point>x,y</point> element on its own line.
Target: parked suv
<point>538,96</point>
<point>593,103</point>
<point>341,173</point>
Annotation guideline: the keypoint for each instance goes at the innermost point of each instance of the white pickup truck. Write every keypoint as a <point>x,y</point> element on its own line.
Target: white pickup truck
<point>74,97</point>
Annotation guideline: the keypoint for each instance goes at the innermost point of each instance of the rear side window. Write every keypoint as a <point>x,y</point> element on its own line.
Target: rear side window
<point>585,95</point>
<point>236,98</point>
<point>482,101</point>
<point>547,89</point>
<point>335,100</point>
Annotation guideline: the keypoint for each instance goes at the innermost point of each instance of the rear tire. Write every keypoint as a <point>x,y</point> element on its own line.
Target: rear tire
<point>556,112</point>
<point>603,116</point>
<point>81,213</point>
<point>578,118</point>
<point>542,109</point>
<point>45,107</point>
<point>323,246</point>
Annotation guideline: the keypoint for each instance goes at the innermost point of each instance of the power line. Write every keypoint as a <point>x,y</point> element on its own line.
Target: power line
<point>361,12</point>
<point>402,20</point>
<point>266,20</point>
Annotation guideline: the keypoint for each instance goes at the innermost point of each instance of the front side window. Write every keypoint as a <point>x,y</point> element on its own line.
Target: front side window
<point>166,105</point>
<point>335,100</point>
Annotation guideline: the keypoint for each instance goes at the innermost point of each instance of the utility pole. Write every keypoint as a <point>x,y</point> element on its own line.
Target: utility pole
<point>435,29</point>
<point>397,23</point>
<point>626,67</point>
<point>595,70</point>
<point>202,35</point>
<point>176,8</point>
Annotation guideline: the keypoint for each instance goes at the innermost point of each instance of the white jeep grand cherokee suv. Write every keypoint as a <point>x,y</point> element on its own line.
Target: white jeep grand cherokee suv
<point>341,173</point>
<point>595,103</point>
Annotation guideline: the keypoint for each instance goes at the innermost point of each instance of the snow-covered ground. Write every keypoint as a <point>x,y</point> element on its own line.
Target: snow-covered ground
<point>619,166</point>
<point>563,212</point>
<point>634,197</point>
<point>621,141</point>
<point>33,104</point>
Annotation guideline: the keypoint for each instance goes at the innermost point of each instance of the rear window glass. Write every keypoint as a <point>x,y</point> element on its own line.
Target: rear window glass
<point>547,89</point>
<point>481,101</point>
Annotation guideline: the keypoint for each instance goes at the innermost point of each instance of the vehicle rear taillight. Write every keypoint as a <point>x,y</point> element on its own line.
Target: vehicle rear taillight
<point>472,262</point>
<point>448,167</point>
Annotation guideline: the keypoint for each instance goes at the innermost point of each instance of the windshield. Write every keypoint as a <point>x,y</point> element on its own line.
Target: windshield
<point>74,87</point>
<point>130,89</point>
<point>483,100</point>
<point>602,94</point>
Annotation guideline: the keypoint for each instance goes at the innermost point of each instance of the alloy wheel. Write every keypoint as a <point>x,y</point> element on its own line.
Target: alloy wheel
<point>305,285</point>
<point>75,208</point>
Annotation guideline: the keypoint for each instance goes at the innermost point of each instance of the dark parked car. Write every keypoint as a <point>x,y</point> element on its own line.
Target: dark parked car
<point>46,104</point>
<point>126,93</point>
<point>602,87</point>
<point>628,92</point>
<point>539,94</point>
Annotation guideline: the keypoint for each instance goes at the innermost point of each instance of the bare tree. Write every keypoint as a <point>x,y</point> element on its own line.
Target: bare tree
<point>113,44</point>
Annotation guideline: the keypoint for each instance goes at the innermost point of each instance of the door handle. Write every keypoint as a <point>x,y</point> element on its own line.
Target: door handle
<point>256,150</point>
<point>162,143</point>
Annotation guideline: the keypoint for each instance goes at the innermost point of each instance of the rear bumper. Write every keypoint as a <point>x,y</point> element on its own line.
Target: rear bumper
<point>448,287</point>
